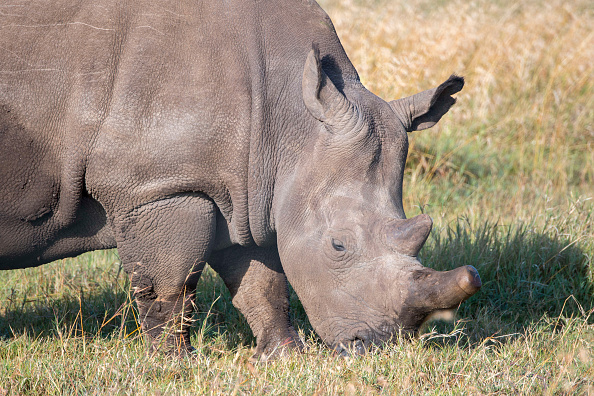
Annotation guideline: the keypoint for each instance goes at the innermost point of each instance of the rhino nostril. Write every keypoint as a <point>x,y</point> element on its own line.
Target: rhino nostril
<point>359,347</point>
<point>355,347</point>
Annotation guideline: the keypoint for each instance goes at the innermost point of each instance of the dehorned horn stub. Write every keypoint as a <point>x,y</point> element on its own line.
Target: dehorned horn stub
<point>434,290</point>
<point>408,236</point>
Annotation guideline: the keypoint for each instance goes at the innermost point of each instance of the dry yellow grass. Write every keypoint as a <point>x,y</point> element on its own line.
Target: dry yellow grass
<point>526,114</point>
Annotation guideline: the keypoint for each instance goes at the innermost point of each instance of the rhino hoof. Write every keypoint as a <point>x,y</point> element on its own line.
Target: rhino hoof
<point>266,352</point>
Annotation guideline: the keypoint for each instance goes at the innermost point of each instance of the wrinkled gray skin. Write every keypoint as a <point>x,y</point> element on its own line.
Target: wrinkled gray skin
<point>187,132</point>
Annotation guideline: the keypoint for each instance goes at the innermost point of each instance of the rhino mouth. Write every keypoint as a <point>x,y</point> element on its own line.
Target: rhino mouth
<point>355,347</point>
<point>359,345</point>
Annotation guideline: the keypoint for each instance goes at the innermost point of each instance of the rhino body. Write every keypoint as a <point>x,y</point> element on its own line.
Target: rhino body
<point>230,132</point>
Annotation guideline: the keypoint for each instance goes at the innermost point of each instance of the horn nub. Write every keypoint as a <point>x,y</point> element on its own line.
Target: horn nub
<point>408,236</point>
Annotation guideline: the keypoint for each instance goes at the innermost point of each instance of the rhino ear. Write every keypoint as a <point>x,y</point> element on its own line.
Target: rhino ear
<point>423,110</point>
<point>321,97</point>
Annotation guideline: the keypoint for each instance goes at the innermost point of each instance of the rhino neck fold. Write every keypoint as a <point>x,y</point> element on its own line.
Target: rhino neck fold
<point>273,120</point>
<point>282,132</point>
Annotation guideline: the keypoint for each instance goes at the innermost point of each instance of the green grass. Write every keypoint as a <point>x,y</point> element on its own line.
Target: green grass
<point>507,175</point>
<point>70,327</point>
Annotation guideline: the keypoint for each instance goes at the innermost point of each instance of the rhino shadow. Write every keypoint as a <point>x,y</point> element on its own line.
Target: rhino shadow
<point>529,279</point>
<point>110,312</point>
<point>104,314</point>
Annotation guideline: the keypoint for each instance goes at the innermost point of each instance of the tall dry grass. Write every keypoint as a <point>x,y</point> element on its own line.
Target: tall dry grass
<point>523,128</point>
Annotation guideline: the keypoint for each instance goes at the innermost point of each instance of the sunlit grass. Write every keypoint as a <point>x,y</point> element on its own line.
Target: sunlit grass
<point>523,129</point>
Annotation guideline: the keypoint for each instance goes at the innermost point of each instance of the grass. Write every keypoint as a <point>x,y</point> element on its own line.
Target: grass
<point>507,176</point>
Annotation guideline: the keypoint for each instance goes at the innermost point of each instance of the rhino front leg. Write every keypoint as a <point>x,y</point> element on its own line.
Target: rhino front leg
<point>259,290</point>
<point>164,246</point>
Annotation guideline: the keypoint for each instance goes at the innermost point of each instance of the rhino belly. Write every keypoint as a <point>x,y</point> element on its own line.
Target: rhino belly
<point>29,243</point>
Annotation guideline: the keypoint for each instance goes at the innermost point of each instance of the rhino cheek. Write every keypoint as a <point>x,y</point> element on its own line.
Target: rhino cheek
<point>362,304</point>
<point>331,311</point>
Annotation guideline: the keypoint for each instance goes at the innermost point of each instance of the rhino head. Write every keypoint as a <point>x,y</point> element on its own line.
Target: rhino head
<point>346,245</point>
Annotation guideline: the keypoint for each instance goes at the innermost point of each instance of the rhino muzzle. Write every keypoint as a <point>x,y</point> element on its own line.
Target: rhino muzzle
<point>431,291</point>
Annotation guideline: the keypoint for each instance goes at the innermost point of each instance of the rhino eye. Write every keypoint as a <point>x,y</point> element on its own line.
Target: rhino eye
<point>338,245</point>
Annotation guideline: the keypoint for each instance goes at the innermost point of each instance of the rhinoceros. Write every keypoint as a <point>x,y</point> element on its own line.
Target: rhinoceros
<point>235,133</point>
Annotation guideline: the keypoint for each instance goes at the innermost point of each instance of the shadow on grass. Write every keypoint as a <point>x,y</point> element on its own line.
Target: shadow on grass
<point>101,313</point>
<point>108,312</point>
<point>530,276</point>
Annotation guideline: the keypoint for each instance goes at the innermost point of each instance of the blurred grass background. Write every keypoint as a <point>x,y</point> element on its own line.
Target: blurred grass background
<point>507,175</point>
<point>521,133</point>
